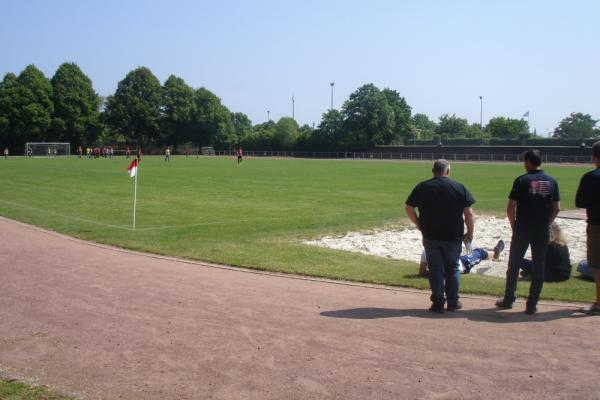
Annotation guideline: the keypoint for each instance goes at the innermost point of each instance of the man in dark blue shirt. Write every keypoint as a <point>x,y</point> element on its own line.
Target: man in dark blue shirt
<point>588,197</point>
<point>534,202</point>
<point>441,203</point>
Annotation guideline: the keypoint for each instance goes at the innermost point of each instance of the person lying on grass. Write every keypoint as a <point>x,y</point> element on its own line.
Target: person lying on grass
<point>469,260</point>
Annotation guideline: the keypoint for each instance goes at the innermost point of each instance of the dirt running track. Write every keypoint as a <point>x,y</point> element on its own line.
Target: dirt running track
<point>105,323</point>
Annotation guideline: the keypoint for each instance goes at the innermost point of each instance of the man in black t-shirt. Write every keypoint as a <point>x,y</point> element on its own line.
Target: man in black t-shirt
<point>534,202</point>
<point>441,203</point>
<point>588,197</point>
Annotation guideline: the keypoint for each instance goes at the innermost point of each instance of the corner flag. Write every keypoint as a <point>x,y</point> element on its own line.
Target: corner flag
<point>132,169</point>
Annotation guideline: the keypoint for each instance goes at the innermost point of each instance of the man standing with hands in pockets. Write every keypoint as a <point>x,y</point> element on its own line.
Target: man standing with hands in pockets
<point>442,203</point>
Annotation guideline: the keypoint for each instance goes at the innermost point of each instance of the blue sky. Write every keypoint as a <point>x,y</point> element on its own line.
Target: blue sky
<point>541,56</point>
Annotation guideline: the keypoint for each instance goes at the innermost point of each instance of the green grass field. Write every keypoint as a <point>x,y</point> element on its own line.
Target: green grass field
<point>255,214</point>
<point>21,391</point>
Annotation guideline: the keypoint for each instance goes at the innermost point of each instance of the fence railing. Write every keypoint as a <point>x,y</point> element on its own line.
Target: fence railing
<point>492,157</point>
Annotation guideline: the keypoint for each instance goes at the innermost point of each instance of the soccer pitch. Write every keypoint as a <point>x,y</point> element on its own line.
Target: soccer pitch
<point>255,214</point>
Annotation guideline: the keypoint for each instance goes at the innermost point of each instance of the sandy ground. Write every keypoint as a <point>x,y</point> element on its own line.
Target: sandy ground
<point>111,324</point>
<point>406,243</point>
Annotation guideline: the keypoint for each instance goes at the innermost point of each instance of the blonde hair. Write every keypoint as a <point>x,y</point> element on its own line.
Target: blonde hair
<point>556,235</point>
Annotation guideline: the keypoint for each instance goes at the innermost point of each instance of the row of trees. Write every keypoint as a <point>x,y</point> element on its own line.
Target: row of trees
<point>142,111</point>
<point>575,126</point>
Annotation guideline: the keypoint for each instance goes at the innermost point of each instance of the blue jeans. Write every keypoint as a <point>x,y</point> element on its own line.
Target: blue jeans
<point>521,240</point>
<point>444,273</point>
<point>586,271</point>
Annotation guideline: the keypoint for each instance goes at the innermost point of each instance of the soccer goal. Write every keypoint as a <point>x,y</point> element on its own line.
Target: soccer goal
<point>207,151</point>
<point>47,149</point>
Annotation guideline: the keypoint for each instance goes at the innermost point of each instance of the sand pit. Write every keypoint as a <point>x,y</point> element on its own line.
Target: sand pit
<point>405,243</point>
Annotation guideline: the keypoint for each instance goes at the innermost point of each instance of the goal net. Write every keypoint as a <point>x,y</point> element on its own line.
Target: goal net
<point>47,149</point>
<point>207,151</point>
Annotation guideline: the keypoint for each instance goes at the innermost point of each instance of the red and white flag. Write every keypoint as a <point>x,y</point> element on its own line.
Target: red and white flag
<point>132,169</point>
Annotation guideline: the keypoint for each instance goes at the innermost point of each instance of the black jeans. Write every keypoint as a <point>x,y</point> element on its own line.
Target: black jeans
<point>521,239</point>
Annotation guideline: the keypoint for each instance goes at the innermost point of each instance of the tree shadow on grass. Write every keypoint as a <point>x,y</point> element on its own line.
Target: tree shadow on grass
<point>492,315</point>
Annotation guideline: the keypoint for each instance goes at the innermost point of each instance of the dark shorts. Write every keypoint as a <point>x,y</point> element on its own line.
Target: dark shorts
<point>593,246</point>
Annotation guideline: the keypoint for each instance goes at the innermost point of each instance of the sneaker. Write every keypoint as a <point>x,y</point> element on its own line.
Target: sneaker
<point>530,310</point>
<point>437,308</point>
<point>594,309</point>
<point>503,304</point>
<point>498,248</point>
<point>458,306</point>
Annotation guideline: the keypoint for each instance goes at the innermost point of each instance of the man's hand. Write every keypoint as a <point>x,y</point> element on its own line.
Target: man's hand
<point>412,215</point>
<point>469,237</point>
<point>470,222</point>
<point>511,212</point>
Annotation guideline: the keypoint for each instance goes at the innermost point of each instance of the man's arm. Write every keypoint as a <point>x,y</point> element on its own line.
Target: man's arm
<point>412,215</point>
<point>581,197</point>
<point>469,221</point>
<point>555,210</point>
<point>511,212</point>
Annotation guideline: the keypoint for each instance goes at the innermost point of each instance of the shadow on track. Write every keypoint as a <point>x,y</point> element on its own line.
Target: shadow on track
<point>483,315</point>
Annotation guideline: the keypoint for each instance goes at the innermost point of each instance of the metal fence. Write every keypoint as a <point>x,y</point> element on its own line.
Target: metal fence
<point>491,157</point>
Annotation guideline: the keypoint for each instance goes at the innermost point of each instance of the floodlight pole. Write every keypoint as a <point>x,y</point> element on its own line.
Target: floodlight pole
<point>293,110</point>
<point>332,83</point>
<point>268,115</point>
<point>481,117</point>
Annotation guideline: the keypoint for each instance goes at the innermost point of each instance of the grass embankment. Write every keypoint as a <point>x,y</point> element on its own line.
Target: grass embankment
<point>255,214</point>
<point>20,391</point>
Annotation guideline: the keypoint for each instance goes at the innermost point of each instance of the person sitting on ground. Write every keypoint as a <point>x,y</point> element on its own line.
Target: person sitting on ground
<point>558,264</point>
<point>468,260</point>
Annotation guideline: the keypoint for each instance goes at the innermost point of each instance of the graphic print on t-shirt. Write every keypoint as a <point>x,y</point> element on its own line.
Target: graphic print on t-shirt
<point>540,187</point>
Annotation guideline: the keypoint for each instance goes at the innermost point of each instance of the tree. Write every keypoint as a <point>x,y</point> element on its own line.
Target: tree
<point>76,106</point>
<point>212,124</point>
<point>474,131</point>
<point>507,128</point>
<point>305,138</point>
<point>424,127</point>
<point>368,118</point>
<point>242,126</point>
<point>135,109</point>
<point>330,134</point>
<point>285,134</point>
<point>178,107</point>
<point>28,103</point>
<point>402,111</point>
<point>8,111</point>
<point>576,126</point>
<point>261,136</point>
<point>452,126</point>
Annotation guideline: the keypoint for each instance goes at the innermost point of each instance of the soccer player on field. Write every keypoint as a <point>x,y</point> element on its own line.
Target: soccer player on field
<point>6,152</point>
<point>239,154</point>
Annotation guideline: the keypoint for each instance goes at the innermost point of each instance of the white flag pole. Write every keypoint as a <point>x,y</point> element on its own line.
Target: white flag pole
<point>135,194</point>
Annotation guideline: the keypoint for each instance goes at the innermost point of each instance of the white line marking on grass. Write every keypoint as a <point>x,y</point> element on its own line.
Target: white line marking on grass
<point>125,227</point>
